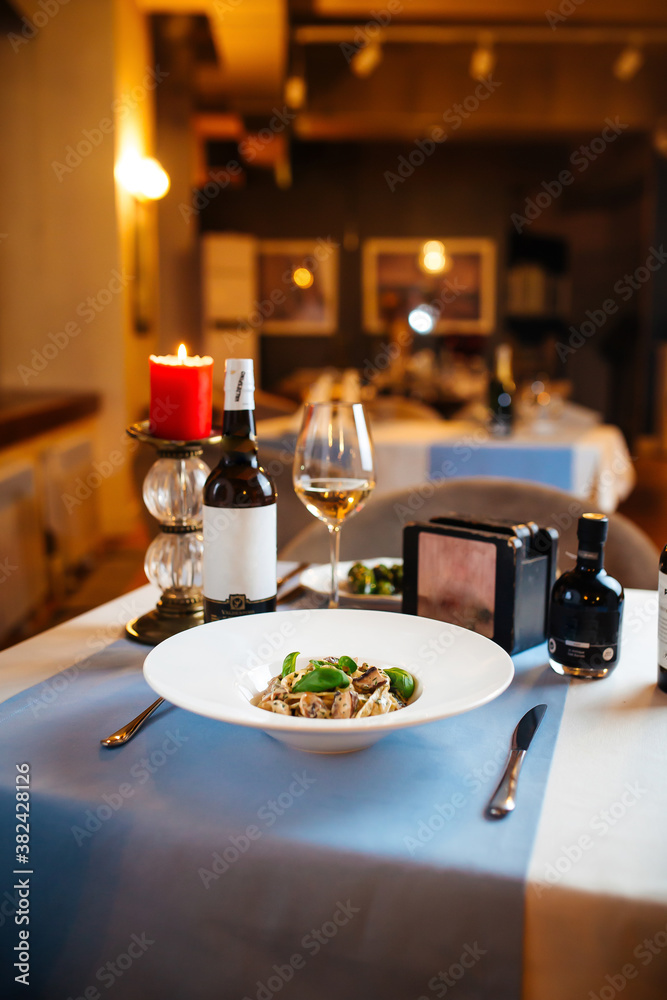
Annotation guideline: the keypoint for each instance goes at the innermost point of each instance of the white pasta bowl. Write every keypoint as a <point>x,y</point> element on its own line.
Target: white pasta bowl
<point>218,670</point>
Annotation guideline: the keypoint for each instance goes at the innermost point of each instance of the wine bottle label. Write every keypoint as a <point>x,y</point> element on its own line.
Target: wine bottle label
<point>584,637</point>
<point>662,620</point>
<point>239,384</point>
<point>239,568</point>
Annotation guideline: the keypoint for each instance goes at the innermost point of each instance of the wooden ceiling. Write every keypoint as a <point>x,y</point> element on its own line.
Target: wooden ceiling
<point>554,79</point>
<point>486,11</point>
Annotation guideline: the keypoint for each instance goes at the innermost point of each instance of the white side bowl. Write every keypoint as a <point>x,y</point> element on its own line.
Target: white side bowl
<point>318,578</point>
<point>217,669</point>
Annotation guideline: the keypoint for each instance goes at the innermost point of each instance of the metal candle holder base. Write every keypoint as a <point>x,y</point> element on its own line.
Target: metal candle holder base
<point>173,494</point>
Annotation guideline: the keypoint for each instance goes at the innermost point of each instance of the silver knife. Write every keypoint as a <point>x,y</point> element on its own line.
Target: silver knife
<point>503,799</point>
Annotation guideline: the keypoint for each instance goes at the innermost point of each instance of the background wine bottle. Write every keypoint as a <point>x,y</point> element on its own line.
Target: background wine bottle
<point>239,572</point>
<point>501,392</point>
<point>586,609</point>
<point>662,621</point>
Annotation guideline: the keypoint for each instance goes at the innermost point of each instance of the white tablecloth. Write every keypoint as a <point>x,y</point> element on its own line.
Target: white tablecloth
<point>596,898</point>
<point>582,457</point>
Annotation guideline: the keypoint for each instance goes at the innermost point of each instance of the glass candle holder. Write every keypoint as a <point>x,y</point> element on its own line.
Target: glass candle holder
<point>173,494</point>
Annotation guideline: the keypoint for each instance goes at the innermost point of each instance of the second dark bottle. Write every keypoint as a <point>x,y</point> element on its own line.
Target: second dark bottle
<point>586,609</point>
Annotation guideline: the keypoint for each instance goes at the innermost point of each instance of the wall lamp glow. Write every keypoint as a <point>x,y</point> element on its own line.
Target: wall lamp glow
<point>147,181</point>
<point>629,61</point>
<point>142,176</point>
<point>366,59</point>
<point>483,58</point>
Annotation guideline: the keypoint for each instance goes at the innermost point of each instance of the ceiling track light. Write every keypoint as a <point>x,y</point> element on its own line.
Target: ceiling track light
<point>629,61</point>
<point>483,58</point>
<point>366,59</point>
<point>296,91</point>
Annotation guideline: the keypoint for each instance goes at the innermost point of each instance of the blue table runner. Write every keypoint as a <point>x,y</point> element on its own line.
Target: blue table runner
<point>204,860</point>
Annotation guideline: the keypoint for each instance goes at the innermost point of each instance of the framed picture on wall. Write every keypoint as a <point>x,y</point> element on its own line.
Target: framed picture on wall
<point>297,286</point>
<point>455,278</point>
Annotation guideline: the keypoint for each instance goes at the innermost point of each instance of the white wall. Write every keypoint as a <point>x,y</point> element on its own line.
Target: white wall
<point>66,229</point>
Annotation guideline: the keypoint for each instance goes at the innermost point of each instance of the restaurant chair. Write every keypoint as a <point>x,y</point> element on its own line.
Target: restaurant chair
<point>378,529</point>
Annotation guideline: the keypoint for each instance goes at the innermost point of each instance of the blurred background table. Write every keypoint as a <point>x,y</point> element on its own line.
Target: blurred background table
<point>576,453</point>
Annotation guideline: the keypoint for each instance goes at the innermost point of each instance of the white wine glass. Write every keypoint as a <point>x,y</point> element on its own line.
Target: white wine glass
<point>334,470</point>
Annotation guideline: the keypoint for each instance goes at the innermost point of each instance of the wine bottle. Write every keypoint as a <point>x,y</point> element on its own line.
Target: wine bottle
<point>501,393</point>
<point>586,609</point>
<point>662,621</point>
<point>239,571</point>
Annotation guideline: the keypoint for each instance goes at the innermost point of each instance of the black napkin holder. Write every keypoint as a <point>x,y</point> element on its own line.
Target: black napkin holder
<point>492,577</point>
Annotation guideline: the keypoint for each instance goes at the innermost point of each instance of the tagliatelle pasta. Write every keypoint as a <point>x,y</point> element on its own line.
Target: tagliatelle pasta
<point>335,688</point>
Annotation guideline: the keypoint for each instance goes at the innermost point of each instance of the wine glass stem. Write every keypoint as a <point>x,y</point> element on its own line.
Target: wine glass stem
<point>334,542</point>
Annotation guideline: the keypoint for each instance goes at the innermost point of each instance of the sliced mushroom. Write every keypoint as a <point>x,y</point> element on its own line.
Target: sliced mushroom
<point>370,680</point>
<point>276,689</point>
<point>344,704</point>
<point>312,707</point>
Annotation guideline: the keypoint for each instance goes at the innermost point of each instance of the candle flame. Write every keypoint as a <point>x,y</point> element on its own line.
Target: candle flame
<point>182,354</point>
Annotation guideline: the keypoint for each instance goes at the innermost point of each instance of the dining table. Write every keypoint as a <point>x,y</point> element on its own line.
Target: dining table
<point>202,859</point>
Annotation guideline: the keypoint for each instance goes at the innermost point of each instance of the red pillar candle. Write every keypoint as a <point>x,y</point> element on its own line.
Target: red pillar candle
<point>181,396</point>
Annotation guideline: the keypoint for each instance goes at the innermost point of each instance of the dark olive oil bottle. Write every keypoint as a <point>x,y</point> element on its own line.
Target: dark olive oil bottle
<point>586,609</point>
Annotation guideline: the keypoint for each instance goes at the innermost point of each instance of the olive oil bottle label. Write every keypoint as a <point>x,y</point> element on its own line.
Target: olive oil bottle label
<point>584,637</point>
<point>239,569</point>
<point>662,620</point>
